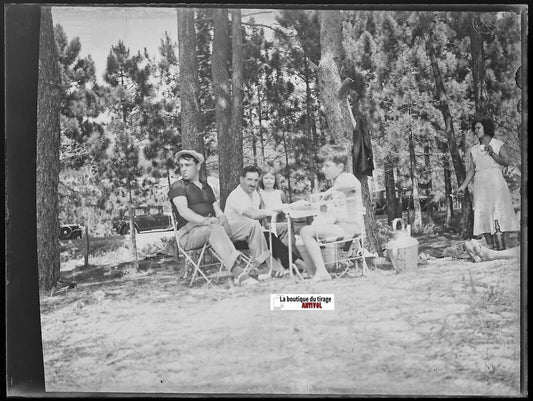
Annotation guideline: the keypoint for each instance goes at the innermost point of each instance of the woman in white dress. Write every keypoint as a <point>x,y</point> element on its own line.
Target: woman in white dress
<point>492,198</point>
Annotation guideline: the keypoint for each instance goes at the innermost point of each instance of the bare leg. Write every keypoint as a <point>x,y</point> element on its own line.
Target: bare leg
<point>308,235</point>
<point>480,253</point>
<point>313,250</point>
<point>309,265</point>
<point>300,264</point>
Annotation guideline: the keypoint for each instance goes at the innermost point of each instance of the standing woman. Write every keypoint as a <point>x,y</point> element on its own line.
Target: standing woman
<point>492,198</point>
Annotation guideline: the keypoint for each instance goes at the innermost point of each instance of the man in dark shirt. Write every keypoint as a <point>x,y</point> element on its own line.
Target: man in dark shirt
<point>199,218</point>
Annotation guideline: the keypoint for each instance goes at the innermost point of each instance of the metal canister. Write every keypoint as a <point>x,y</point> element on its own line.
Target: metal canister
<point>402,249</point>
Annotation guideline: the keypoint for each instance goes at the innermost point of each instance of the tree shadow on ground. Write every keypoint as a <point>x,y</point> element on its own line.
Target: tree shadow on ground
<point>436,244</point>
<point>106,272</point>
<point>161,269</point>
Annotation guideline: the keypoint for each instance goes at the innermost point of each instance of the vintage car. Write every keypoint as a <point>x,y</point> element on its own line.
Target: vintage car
<point>145,218</point>
<point>379,201</point>
<point>70,231</point>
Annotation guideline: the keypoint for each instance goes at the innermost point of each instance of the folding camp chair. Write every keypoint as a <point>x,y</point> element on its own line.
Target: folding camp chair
<point>242,246</point>
<point>341,254</point>
<point>344,253</point>
<point>200,260</point>
<point>196,260</point>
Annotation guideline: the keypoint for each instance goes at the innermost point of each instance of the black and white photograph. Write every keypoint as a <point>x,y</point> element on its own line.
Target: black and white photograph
<point>253,201</point>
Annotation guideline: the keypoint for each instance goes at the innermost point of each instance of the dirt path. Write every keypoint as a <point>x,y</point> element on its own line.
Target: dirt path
<point>451,327</point>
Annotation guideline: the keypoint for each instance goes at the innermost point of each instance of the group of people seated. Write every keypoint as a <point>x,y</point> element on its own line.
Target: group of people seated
<point>200,219</point>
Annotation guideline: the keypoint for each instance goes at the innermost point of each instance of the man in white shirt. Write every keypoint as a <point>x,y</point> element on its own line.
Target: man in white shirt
<point>243,212</point>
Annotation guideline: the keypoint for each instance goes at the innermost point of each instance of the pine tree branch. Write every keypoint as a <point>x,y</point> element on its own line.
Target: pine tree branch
<point>270,27</point>
<point>312,65</point>
<point>257,13</point>
<point>76,152</point>
<point>69,188</point>
<point>345,89</point>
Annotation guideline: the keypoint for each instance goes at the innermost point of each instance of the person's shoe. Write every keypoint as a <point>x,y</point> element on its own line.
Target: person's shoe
<point>249,282</point>
<point>244,279</point>
<point>276,273</point>
<point>253,272</point>
<point>300,265</point>
<point>321,277</point>
<point>307,276</point>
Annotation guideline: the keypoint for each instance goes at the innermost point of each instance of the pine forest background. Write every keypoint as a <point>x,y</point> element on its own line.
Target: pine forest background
<point>118,137</point>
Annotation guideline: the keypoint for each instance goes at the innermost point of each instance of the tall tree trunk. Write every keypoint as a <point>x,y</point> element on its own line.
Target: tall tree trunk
<point>260,121</point>
<point>191,135</point>
<point>427,163</point>
<point>309,121</point>
<point>254,146</point>
<point>399,191</point>
<point>337,110</point>
<point>478,68</point>
<point>237,97</point>
<point>87,245</point>
<point>334,95</point>
<point>372,239</point>
<point>133,233</point>
<point>48,140</point>
<point>221,84</point>
<point>448,190</point>
<point>467,224</point>
<point>417,224</point>
<point>390,191</point>
<point>429,185</point>
<point>287,169</point>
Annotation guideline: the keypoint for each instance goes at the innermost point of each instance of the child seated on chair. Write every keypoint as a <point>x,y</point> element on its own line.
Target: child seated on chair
<point>275,199</point>
<point>343,216</point>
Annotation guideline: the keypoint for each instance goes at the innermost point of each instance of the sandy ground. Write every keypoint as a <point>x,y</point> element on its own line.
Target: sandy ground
<point>450,327</point>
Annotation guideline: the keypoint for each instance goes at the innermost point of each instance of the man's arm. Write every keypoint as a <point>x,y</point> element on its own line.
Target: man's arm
<point>237,202</point>
<point>257,214</point>
<point>220,215</point>
<point>183,209</point>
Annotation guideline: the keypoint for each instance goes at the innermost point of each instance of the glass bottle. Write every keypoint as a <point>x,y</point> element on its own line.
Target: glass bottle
<point>499,241</point>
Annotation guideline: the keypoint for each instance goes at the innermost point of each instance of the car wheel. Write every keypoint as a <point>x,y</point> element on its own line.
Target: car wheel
<point>76,235</point>
<point>64,233</point>
<point>126,230</point>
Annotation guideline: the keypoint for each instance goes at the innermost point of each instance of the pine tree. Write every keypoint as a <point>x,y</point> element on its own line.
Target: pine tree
<point>82,137</point>
<point>129,78</point>
<point>162,110</point>
<point>48,140</point>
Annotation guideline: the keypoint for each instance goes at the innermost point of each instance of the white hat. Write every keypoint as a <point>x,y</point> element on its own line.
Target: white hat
<point>193,153</point>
